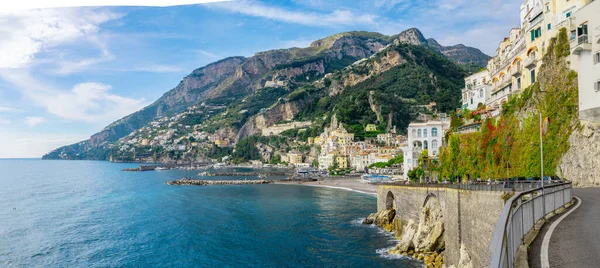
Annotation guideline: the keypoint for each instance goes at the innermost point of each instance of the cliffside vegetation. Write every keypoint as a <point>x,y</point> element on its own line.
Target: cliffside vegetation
<point>509,146</point>
<point>425,77</point>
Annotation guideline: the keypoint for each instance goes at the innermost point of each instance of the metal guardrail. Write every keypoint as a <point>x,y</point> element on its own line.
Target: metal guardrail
<point>509,186</point>
<point>519,216</point>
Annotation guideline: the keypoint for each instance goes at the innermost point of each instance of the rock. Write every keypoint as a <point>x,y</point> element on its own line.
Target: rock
<point>386,217</point>
<point>581,163</point>
<point>406,243</point>
<point>465,260</point>
<point>429,235</point>
<point>367,220</point>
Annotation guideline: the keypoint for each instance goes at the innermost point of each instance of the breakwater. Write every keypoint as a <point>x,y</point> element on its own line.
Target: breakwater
<point>189,181</point>
<point>141,168</point>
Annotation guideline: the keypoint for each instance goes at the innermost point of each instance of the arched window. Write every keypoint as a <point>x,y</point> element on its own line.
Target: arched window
<point>419,133</point>
<point>424,133</point>
<point>434,144</point>
<point>434,132</point>
<point>414,133</point>
<point>425,145</point>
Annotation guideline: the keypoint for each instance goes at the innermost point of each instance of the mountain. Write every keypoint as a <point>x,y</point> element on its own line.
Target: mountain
<point>228,95</point>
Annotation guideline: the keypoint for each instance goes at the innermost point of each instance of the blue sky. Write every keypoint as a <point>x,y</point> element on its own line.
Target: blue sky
<point>66,73</point>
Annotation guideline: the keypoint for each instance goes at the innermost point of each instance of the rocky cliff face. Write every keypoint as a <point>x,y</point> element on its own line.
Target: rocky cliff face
<point>581,163</point>
<point>254,126</point>
<point>423,240</point>
<point>230,80</point>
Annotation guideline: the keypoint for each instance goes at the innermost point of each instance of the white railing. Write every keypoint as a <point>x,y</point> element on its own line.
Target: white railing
<point>519,216</point>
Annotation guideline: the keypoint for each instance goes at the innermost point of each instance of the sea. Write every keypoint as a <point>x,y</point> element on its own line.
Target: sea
<point>91,214</point>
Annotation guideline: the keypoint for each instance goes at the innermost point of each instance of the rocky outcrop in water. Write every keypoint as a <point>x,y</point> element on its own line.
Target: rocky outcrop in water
<point>423,240</point>
<point>188,181</point>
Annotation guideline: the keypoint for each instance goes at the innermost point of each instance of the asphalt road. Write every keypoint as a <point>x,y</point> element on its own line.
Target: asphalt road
<point>576,240</point>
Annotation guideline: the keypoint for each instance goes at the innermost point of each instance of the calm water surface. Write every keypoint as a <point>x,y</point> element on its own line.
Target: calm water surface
<point>90,214</point>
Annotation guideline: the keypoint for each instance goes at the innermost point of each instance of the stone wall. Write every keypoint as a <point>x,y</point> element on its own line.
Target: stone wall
<point>581,163</point>
<point>469,218</point>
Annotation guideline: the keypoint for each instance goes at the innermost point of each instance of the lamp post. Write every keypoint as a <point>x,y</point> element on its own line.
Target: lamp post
<point>542,163</point>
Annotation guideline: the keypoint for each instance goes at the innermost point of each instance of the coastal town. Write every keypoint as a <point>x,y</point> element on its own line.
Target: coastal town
<point>303,134</point>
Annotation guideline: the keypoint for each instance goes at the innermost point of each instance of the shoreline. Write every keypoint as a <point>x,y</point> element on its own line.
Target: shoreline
<point>351,185</point>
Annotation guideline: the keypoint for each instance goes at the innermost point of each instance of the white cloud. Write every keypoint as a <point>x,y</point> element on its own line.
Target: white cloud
<point>8,109</point>
<point>337,17</point>
<point>87,102</point>
<point>207,54</point>
<point>4,121</point>
<point>29,144</point>
<point>31,4</point>
<point>158,68</point>
<point>27,33</point>
<point>33,121</point>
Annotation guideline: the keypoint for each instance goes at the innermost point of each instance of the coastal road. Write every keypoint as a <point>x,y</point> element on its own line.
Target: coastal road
<point>575,240</point>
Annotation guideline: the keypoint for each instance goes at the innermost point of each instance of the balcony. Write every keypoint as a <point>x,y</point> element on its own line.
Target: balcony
<point>516,71</point>
<point>530,63</point>
<point>501,85</point>
<point>581,43</point>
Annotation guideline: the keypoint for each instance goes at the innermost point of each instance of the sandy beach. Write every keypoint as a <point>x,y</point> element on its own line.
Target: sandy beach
<point>350,184</point>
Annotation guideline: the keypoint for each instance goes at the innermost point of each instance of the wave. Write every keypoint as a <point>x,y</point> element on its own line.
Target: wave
<point>383,252</point>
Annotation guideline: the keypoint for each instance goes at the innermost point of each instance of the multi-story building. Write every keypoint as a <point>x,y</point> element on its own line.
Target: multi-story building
<point>294,158</point>
<point>326,160</point>
<point>506,70</point>
<point>423,136</point>
<point>360,161</point>
<point>585,58</point>
<point>341,161</point>
<point>370,128</point>
<point>476,91</point>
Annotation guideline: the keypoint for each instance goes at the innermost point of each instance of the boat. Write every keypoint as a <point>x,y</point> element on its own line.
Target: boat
<point>373,178</point>
<point>161,168</point>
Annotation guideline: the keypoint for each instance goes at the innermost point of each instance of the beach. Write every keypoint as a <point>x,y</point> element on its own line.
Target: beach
<point>349,184</point>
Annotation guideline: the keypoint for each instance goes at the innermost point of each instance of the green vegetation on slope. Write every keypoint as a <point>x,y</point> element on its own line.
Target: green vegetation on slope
<point>425,77</point>
<point>509,146</point>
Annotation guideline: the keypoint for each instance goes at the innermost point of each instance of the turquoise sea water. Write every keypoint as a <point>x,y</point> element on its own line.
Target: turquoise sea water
<point>90,214</point>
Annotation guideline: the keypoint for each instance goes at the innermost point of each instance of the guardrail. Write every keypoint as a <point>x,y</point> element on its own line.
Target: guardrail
<point>519,216</point>
<point>508,186</point>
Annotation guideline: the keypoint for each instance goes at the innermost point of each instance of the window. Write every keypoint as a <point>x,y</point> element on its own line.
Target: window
<point>481,93</point>
<point>519,83</point>
<point>569,14</point>
<point>533,76</point>
<point>536,33</point>
<point>434,132</point>
<point>582,30</point>
<point>414,132</point>
<point>425,145</point>
<point>419,133</point>
<point>424,133</point>
<point>597,57</point>
<point>597,86</point>
<point>471,101</point>
<point>434,144</point>
<point>549,26</point>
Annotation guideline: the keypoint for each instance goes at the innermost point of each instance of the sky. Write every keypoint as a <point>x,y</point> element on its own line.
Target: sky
<point>66,73</point>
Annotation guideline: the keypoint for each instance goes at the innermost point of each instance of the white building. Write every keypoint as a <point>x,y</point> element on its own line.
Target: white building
<point>585,58</point>
<point>476,91</point>
<point>325,161</point>
<point>423,136</point>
